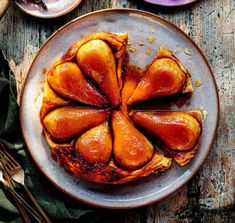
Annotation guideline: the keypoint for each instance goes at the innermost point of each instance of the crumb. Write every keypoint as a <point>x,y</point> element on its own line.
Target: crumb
<point>152,30</point>
<point>151,39</point>
<point>42,82</point>
<point>44,70</point>
<point>138,34</point>
<point>187,51</point>
<point>148,52</point>
<point>141,43</point>
<point>201,108</point>
<point>198,83</point>
<point>178,49</point>
<point>205,114</point>
<point>129,41</point>
<point>132,49</point>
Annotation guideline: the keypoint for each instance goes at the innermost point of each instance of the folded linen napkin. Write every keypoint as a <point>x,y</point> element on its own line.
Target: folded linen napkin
<point>59,207</point>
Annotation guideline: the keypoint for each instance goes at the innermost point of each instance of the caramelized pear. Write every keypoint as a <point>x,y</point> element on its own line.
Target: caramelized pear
<point>64,123</point>
<point>163,78</point>
<point>178,130</point>
<point>68,81</point>
<point>131,148</point>
<point>97,61</point>
<point>95,145</point>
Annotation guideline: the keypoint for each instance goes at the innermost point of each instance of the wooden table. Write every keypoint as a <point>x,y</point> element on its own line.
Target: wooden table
<point>209,196</point>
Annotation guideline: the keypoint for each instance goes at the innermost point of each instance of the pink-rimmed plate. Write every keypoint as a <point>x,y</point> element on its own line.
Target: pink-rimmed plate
<point>55,8</point>
<point>171,3</point>
<point>140,25</point>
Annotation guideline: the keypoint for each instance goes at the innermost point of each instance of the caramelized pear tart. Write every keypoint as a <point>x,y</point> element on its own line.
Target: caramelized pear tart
<point>88,118</point>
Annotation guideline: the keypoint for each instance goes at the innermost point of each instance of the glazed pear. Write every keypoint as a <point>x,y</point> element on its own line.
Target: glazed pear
<point>178,130</point>
<point>64,123</point>
<point>163,78</point>
<point>97,61</point>
<point>131,148</point>
<point>95,145</point>
<point>166,76</point>
<point>68,81</point>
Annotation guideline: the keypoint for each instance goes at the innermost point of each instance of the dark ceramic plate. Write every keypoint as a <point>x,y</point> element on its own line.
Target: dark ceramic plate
<point>140,25</point>
<point>171,2</point>
<point>56,8</point>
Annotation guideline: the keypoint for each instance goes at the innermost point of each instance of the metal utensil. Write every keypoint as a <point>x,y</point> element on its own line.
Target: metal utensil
<point>16,172</point>
<point>20,207</point>
<point>21,200</point>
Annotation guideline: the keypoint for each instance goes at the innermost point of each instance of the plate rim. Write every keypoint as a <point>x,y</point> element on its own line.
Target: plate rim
<point>143,203</point>
<point>170,6</point>
<point>48,17</point>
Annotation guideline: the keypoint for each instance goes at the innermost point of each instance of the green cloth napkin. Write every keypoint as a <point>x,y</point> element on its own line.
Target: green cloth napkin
<point>59,207</point>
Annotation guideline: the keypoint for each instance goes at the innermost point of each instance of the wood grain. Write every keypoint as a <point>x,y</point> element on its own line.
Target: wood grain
<point>209,196</point>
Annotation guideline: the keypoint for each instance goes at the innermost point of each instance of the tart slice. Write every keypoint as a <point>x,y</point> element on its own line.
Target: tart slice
<point>179,131</point>
<point>166,76</point>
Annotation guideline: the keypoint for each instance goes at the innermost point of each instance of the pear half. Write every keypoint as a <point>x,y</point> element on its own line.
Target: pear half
<point>96,60</point>
<point>95,145</point>
<point>68,81</point>
<point>66,122</point>
<point>166,76</point>
<point>131,148</point>
<point>178,130</point>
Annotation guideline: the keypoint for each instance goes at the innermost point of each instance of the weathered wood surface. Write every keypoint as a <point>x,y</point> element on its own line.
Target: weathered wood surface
<point>209,197</point>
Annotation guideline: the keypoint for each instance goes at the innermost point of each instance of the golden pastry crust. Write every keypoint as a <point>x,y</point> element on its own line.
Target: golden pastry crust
<point>104,173</point>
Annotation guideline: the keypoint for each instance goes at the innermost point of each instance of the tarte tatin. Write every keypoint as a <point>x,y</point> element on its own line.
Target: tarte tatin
<point>88,117</point>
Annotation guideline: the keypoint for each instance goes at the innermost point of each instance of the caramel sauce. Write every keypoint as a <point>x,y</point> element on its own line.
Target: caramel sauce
<point>54,157</point>
<point>181,104</point>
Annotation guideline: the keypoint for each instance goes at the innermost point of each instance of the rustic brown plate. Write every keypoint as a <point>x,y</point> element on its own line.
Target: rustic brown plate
<point>140,25</point>
<point>56,8</point>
